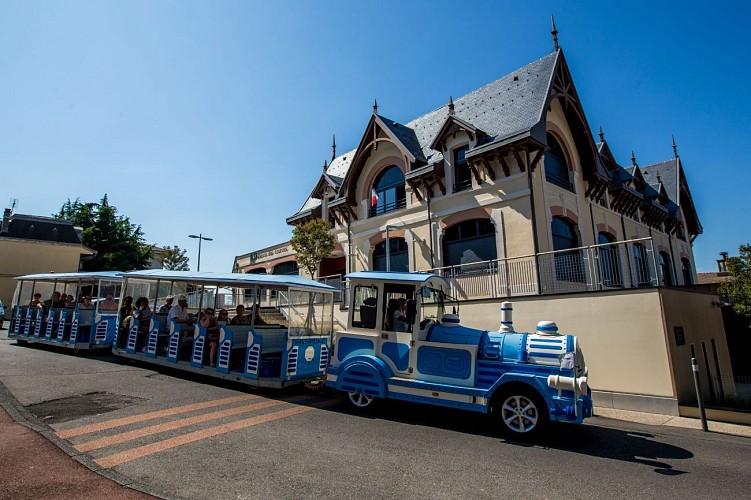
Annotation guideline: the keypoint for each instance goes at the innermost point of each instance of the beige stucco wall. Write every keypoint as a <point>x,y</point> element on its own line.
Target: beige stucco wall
<point>701,320</point>
<point>18,257</point>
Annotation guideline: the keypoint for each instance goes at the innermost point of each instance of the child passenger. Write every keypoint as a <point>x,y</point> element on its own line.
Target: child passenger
<point>212,334</point>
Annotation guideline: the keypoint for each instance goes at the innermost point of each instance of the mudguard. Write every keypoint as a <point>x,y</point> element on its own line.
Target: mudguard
<point>364,374</point>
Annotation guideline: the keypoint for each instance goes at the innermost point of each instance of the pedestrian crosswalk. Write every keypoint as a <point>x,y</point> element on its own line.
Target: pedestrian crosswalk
<point>116,441</point>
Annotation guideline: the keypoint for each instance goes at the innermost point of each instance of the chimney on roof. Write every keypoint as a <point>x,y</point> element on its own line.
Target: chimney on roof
<point>554,32</point>
<point>722,264</point>
<point>6,221</point>
<point>451,106</point>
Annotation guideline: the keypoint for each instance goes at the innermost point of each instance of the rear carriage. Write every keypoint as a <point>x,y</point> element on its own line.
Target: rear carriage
<point>86,322</point>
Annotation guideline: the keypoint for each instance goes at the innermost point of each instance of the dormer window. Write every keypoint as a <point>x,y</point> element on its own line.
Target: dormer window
<point>556,167</point>
<point>388,193</point>
<point>462,174</point>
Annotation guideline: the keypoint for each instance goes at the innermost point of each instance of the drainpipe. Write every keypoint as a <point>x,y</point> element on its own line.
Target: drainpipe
<point>534,221</point>
<point>430,229</point>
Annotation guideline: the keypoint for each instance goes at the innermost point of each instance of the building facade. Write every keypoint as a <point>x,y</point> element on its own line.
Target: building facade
<point>507,193</point>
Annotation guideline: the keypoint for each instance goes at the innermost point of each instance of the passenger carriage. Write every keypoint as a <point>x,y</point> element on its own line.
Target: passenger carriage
<point>79,325</point>
<point>291,346</point>
<point>525,379</point>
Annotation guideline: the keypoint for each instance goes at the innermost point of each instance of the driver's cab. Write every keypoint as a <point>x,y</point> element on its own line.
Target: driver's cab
<point>389,313</point>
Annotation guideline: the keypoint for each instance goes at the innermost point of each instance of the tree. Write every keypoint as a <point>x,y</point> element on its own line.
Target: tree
<point>312,242</point>
<point>738,290</point>
<point>119,245</point>
<point>174,259</point>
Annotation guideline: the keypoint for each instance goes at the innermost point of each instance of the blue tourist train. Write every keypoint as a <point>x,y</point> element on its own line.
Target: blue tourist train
<point>402,342</point>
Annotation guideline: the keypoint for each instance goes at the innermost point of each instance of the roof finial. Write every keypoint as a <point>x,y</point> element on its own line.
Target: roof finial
<point>601,134</point>
<point>675,148</point>
<point>375,106</point>
<point>333,149</point>
<point>657,174</point>
<point>554,32</point>
<point>633,158</point>
<point>325,166</point>
<point>451,105</point>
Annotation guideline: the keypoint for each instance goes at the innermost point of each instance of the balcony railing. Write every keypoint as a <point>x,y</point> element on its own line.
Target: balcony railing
<point>592,268</point>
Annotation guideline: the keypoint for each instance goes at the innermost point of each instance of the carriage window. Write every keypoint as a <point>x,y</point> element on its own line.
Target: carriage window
<point>365,307</point>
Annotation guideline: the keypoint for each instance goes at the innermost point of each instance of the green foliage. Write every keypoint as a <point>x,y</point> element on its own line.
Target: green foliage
<point>174,259</point>
<point>738,290</point>
<point>118,243</point>
<point>312,242</point>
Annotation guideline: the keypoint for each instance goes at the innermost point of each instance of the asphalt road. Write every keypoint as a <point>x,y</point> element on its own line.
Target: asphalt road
<point>196,438</point>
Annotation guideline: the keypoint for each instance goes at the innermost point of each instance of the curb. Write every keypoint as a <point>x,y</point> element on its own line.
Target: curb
<point>21,416</point>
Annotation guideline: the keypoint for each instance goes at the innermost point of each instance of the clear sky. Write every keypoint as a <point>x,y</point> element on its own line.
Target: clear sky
<point>215,117</point>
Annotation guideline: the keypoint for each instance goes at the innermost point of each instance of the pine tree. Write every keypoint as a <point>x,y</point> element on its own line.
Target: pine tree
<point>312,242</point>
<point>174,259</point>
<point>119,245</point>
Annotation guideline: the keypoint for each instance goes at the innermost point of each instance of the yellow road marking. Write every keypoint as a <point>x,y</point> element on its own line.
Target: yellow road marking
<point>150,449</point>
<point>96,444</point>
<point>118,422</point>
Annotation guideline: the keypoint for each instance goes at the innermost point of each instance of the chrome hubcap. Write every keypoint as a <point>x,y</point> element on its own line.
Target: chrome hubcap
<point>519,414</point>
<point>360,400</point>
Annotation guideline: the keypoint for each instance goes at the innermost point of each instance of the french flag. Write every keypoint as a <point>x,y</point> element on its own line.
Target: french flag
<point>373,197</point>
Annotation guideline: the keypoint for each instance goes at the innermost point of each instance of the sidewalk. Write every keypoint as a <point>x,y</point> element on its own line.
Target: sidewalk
<point>32,467</point>
<point>670,421</point>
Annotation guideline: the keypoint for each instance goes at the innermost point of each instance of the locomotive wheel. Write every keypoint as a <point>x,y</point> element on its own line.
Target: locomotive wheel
<point>522,412</point>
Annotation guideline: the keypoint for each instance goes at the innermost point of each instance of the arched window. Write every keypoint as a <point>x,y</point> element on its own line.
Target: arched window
<point>568,265</point>
<point>289,267</point>
<point>398,255</point>
<point>641,270</point>
<point>469,241</point>
<point>666,271</point>
<point>686,269</point>
<point>388,193</point>
<point>564,234</point>
<point>556,166</point>
<point>609,261</point>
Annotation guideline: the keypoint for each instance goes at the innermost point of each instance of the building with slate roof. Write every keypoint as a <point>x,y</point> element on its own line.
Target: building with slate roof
<point>34,244</point>
<point>506,193</point>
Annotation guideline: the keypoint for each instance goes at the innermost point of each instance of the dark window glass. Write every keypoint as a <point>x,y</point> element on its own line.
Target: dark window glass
<point>469,241</point>
<point>564,235</point>
<point>398,255</point>
<point>609,261</point>
<point>462,174</point>
<point>686,268</point>
<point>640,264</point>
<point>556,167</point>
<point>286,268</point>
<point>569,266</point>
<point>666,272</point>
<point>390,191</point>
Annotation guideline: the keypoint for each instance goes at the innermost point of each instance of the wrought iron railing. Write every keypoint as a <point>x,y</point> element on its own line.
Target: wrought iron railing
<point>381,209</point>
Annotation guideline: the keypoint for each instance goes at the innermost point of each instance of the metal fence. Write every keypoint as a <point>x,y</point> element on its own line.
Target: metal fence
<point>623,264</point>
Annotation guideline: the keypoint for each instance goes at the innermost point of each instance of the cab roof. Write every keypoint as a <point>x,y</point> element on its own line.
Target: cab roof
<point>430,279</point>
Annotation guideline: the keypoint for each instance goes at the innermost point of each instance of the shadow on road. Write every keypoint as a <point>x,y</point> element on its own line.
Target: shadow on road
<point>589,439</point>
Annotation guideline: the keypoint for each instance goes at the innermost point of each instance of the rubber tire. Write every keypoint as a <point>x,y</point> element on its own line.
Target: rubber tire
<point>360,408</point>
<point>543,414</point>
<point>22,342</point>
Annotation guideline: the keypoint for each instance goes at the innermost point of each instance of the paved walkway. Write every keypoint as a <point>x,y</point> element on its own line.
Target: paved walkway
<point>32,467</point>
<point>670,421</point>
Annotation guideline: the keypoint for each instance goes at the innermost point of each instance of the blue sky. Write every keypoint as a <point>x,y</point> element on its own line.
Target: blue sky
<point>216,117</point>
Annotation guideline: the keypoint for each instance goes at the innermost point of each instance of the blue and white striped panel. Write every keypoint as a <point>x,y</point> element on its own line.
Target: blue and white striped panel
<point>174,344</point>
<point>132,338</point>
<point>27,323</point>
<point>223,358</point>
<point>546,350</point>
<point>197,359</point>
<point>254,360</point>
<point>101,331</point>
<point>292,361</point>
<point>61,327</point>
<point>38,325</point>
<point>323,360</point>
<point>74,330</point>
<point>50,326</point>
<point>17,322</point>
<point>153,340</point>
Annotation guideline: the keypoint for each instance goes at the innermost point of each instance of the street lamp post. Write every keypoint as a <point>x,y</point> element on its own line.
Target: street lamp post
<point>200,237</point>
<point>388,248</point>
